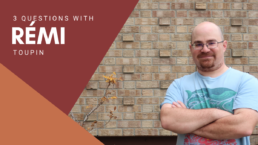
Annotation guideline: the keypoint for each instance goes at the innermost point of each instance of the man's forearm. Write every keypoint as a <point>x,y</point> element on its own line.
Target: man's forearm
<point>229,127</point>
<point>182,120</point>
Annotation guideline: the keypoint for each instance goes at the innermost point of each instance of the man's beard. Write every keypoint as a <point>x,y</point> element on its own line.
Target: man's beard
<point>206,64</point>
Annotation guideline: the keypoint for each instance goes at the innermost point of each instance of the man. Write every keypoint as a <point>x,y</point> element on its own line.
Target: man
<point>216,105</point>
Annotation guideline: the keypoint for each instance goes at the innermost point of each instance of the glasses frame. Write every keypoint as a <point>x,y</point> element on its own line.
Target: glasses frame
<point>207,45</point>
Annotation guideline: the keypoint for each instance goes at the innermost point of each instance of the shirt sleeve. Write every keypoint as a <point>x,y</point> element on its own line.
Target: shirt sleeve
<point>247,96</point>
<point>173,93</point>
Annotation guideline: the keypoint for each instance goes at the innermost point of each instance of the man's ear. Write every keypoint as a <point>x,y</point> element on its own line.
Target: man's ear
<point>190,46</point>
<point>225,44</point>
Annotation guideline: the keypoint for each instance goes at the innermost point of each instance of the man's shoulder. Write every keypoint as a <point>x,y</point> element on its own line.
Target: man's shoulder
<point>243,75</point>
<point>186,78</point>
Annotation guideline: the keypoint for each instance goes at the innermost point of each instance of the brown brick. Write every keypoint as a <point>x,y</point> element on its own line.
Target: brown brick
<point>237,52</point>
<point>253,1</point>
<point>163,0</point>
<point>128,38</point>
<point>110,132</point>
<point>128,116</point>
<point>114,53</point>
<point>117,101</point>
<point>129,84</point>
<point>128,69</point>
<point>92,117</point>
<point>250,68</point>
<point>235,0</point>
<point>188,68</point>
<point>219,21</point>
<point>146,68</point>
<point>127,61</point>
<point>236,37</point>
<point>113,45</point>
<point>184,21</point>
<point>97,77</point>
<point>147,92</point>
<point>250,52</point>
<point>164,21</point>
<point>181,29</point>
<point>85,109</point>
<point>146,45</point>
<point>160,93</point>
<point>216,6</point>
<point>104,116</point>
<point>128,124</point>
<point>163,29</point>
<point>250,22</point>
<point>236,6</point>
<point>234,14</point>
<point>181,37</point>
<point>135,14</point>
<point>147,123</point>
<point>147,100</point>
<point>253,29</point>
<point>147,84</point>
<point>146,37</point>
<point>163,14</point>
<point>164,45</point>
<point>252,14</point>
<point>164,132</point>
<point>92,85</point>
<point>181,13</point>
<point>80,101</point>
<point>146,77</point>
<point>200,13</point>
<point>253,60</point>
<point>182,45</point>
<point>237,45</point>
<point>230,29</point>
<point>164,37</point>
<point>110,108</point>
<point>226,37</point>
<point>217,14</point>
<point>253,45</point>
<point>147,53</point>
<point>182,60</point>
<point>165,84</point>
<point>156,108</point>
<point>164,6</point>
<point>179,75</point>
<point>164,53</point>
<point>145,13</point>
<point>111,124</point>
<point>90,93</point>
<point>236,60</point>
<point>157,124</point>
<point>146,131</point>
<point>182,6</point>
<point>76,108</point>
<point>91,101</point>
<point>191,1</point>
<point>164,69</point>
<point>129,101</point>
<point>130,29</point>
<point>145,29</point>
<point>164,76</point>
<point>130,77</point>
<point>227,53</point>
<point>128,53</point>
<point>145,61</point>
<point>163,60</point>
<point>128,132</point>
<point>200,6</point>
<point>108,61</point>
<point>135,108</point>
<point>103,85</point>
<point>129,93</point>
<point>147,108</point>
<point>181,53</point>
<point>251,37</point>
<point>146,116</point>
<point>146,21</point>
<point>250,6</point>
<point>129,21</point>
<point>236,22</point>
<point>145,6</point>
<point>128,45</point>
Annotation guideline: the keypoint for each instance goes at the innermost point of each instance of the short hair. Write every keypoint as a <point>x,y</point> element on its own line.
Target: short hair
<point>222,37</point>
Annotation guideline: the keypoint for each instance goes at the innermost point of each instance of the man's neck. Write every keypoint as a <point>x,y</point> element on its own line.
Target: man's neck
<point>214,73</point>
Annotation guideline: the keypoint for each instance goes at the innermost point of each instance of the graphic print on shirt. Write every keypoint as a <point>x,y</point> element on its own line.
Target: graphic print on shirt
<point>221,98</point>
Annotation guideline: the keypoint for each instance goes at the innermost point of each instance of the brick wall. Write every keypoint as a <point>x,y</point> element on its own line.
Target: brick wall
<point>152,50</point>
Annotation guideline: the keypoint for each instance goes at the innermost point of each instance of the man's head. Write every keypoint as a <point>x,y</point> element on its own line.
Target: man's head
<point>208,59</point>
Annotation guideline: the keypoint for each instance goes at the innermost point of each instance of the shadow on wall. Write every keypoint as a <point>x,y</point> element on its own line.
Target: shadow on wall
<point>136,140</point>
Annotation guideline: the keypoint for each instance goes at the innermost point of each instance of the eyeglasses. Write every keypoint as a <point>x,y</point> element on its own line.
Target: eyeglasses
<point>210,45</point>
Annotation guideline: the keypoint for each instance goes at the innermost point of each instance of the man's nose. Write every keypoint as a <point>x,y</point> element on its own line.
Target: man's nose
<point>205,48</point>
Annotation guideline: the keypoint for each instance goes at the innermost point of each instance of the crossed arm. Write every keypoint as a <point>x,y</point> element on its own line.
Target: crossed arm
<point>209,123</point>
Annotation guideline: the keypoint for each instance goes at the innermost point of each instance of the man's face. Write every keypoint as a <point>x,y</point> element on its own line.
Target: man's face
<point>208,59</point>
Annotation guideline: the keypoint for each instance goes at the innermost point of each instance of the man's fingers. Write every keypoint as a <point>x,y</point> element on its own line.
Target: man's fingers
<point>182,104</point>
<point>176,104</point>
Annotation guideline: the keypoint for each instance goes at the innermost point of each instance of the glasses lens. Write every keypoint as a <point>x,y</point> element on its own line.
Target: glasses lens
<point>198,45</point>
<point>212,44</point>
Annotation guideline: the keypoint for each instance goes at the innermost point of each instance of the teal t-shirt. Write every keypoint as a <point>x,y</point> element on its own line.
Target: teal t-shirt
<point>231,90</point>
